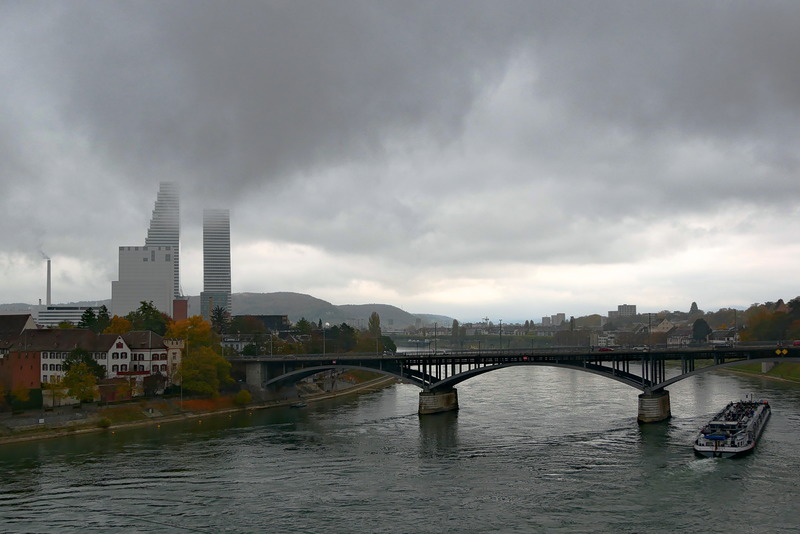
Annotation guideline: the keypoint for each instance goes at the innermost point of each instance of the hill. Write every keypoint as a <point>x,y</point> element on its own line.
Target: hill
<point>299,305</point>
<point>295,306</point>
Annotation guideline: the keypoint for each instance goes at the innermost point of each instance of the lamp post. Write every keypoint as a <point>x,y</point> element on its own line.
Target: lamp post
<point>501,334</point>
<point>324,327</point>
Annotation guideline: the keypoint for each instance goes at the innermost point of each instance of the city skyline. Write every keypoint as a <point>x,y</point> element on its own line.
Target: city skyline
<point>511,160</point>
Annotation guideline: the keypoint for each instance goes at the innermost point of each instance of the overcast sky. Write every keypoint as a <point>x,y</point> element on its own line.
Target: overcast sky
<point>469,158</point>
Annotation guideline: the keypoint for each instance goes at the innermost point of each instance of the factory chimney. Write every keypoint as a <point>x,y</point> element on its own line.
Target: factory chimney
<point>48,282</point>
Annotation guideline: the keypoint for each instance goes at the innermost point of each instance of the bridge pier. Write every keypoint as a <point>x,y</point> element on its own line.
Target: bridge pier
<point>654,407</point>
<point>438,401</point>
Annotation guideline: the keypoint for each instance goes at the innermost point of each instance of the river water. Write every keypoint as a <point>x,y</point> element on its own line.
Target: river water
<point>531,450</point>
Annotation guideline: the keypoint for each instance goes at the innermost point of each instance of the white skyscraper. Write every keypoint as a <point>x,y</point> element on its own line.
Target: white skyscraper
<point>165,228</point>
<point>151,272</point>
<point>216,262</point>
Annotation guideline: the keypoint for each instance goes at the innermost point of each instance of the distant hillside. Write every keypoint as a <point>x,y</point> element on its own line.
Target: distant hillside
<point>295,306</point>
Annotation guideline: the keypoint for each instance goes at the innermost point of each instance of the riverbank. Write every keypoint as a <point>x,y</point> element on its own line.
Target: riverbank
<point>70,421</point>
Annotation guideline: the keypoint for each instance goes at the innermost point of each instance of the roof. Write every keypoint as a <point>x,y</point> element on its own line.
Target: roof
<point>11,326</point>
<point>56,339</point>
<point>143,339</point>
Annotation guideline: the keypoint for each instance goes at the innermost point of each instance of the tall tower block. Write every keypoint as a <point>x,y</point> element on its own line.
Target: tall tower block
<point>216,262</point>
<point>165,228</point>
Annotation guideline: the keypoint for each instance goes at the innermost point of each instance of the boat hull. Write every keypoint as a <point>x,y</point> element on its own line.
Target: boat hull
<point>734,432</point>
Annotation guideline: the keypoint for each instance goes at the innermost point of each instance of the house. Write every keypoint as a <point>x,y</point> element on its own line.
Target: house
<point>134,355</point>
<point>11,327</point>
<point>679,336</point>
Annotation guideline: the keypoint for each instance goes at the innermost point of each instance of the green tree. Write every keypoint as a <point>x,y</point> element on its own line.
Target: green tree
<point>103,319</point>
<point>88,320</point>
<point>220,320</point>
<point>374,325</point>
<point>65,325</point>
<point>303,326</point>
<point>700,330</point>
<point>81,356</point>
<point>80,382</point>
<point>455,331</point>
<point>147,317</point>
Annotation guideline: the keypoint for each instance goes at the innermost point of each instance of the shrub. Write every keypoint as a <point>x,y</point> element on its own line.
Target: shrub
<point>242,398</point>
<point>104,422</point>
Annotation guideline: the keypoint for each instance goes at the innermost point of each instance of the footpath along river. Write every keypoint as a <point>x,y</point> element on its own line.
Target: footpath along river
<point>531,450</point>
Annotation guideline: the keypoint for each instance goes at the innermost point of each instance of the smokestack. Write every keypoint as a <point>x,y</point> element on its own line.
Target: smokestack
<point>48,282</point>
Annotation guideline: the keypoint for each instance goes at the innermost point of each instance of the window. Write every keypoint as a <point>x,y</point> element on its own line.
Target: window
<point>44,355</point>
<point>58,367</point>
<point>52,367</point>
<point>124,367</point>
<point>164,368</point>
<point>123,355</point>
<point>155,368</point>
<point>115,356</point>
<point>44,378</point>
<point>44,367</point>
<point>114,368</point>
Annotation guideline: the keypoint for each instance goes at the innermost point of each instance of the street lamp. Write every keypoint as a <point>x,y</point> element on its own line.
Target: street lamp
<point>501,334</point>
<point>324,327</point>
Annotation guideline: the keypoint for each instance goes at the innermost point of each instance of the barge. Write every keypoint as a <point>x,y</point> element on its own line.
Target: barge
<point>734,431</point>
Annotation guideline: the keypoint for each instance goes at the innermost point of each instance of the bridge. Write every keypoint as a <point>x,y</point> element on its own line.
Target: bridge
<point>437,373</point>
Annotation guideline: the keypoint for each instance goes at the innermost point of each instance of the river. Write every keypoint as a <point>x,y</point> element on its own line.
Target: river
<point>531,450</point>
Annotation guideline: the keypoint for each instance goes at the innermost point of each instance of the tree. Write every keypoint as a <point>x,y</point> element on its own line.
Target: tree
<point>88,319</point>
<point>700,330</point>
<point>303,326</point>
<point>65,325</point>
<point>80,382</point>
<point>374,325</point>
<point>103,319</point>
<point>203,368</point>
<point>147,317</point>
<point>204,371</point>
<point>196,331</point>
<point>118,325</point>
<point>220,319</point>
<point>82,356</point>
<point>455,332</point>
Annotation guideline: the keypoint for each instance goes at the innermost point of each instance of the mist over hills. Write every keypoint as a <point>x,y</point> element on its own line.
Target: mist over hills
<point>293,305</point>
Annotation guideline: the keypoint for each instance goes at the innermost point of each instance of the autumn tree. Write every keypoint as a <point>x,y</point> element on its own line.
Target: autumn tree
<point>118,325</point>
<point>204,371</point>
<point>203,368</point>
<point>80,381</point>
<point>82,356</point>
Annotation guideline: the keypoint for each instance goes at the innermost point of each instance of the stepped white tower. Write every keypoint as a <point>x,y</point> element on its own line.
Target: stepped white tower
<point>165,228</point>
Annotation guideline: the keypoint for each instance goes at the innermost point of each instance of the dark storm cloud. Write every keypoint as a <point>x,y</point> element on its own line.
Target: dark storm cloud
<point>527,132</point>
